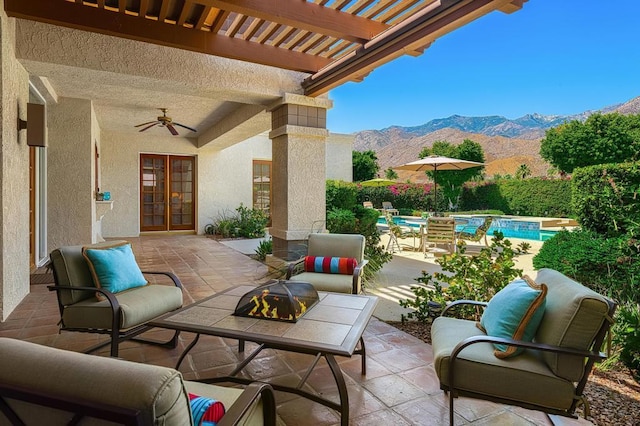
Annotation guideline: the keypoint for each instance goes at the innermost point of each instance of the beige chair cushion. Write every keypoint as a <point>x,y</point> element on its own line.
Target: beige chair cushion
<point>139,305</point>
<point>337,283</point>
<point>337,245</point>
<point>572,318</point>
<point>523,378</point>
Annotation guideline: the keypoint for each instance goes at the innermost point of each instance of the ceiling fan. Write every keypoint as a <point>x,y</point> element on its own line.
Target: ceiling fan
<point>165,121</point>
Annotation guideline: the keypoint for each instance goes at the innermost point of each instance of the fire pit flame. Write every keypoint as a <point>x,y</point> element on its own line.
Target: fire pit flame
<point>278,300</point>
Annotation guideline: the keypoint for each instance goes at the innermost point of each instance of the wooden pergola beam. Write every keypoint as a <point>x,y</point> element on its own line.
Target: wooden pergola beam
<point>305,16</point>
<point>409,36</point>
<point>78,16</point>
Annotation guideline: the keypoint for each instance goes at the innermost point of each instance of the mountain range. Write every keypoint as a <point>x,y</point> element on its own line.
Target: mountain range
<point>506,143</point>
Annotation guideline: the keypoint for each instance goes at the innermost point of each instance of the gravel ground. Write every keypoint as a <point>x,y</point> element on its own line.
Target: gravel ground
<point>613,395</point>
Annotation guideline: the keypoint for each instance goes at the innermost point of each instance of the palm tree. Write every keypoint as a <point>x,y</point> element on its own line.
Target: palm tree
<point>523,171</point>
<point>390,174</point>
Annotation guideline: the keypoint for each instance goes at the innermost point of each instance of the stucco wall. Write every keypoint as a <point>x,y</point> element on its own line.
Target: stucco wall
<point>339,154</point>
<point>70,181</point>
<point>224,177</point>
<point>14,177</point>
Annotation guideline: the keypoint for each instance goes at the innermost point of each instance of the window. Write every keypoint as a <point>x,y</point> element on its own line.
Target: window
<point>262,186</point>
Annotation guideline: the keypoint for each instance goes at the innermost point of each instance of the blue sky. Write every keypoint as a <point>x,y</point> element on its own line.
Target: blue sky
<point>551,57</point>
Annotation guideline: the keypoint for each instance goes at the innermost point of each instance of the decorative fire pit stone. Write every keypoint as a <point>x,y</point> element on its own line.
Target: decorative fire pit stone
<point>279,300</point>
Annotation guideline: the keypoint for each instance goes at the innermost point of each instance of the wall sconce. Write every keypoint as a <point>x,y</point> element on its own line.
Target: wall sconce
<point>36,125</point>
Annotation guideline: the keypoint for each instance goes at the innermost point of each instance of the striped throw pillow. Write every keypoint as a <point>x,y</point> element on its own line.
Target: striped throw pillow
<point>330,265</point>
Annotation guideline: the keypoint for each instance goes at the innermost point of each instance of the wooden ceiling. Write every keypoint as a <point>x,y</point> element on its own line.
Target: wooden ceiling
<point>333,40</point>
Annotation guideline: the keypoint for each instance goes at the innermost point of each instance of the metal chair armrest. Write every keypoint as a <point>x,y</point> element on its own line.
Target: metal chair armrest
<point>111,298</point>
<point>106,293</point>
<point>357,271</point>
<point>463,302</point>
<point>243,404</point>
<point>292,267</point>
<point>528,345</point>
<point>174,278</point>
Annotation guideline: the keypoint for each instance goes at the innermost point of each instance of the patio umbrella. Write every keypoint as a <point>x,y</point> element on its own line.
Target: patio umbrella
<point>377,182</point>
<point>436,162</point>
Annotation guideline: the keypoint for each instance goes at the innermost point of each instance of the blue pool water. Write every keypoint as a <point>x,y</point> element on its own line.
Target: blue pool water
<point>510,228</point>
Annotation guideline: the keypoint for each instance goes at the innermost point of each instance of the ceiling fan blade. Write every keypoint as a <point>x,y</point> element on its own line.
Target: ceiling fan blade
<point>172,129</point>
<point>186,127</point>
<point>155,123</point>
<point>144,124</point>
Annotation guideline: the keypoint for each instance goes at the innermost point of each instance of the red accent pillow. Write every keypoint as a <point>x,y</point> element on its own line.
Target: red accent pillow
<point>330,265</point>
<point>205,411</point>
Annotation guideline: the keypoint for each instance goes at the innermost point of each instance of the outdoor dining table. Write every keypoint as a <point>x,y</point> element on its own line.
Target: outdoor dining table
<point>422,223</point>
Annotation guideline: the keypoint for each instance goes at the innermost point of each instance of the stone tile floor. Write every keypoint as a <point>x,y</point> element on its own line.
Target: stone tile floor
<point>400,387</point>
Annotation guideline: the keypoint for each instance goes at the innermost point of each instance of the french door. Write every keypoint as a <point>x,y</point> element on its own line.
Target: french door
<point>167,192</point>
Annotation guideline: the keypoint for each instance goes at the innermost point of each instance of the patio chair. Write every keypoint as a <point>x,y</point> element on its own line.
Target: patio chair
<point>479,233</point>
<point>367,204</point>
<point>51,386</point>
<point>440,231</point>
<point>397,232</point>
<point>334,262</point>
<point>111,309</point>
<point>551,371</point>
<point>388,207</point>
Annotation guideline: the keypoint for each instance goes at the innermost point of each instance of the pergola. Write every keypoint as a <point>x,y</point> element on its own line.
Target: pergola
<point>335,41</point>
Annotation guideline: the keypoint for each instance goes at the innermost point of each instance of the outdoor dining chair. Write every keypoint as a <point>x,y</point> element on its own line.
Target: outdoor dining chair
<point>479,233</point>
<point>441,231</point>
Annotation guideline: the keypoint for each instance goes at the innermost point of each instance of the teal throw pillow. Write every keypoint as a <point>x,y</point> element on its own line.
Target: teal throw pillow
<point>514,312</point>
<point>113,267</point>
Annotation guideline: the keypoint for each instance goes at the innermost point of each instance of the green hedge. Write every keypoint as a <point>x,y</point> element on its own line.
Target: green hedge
<point>606,198</point>
<point>608,265</point>
<point>524,197</point>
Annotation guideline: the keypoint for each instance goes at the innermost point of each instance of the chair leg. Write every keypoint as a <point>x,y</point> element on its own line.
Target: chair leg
<point>451,414</point>
<point>115,341</point>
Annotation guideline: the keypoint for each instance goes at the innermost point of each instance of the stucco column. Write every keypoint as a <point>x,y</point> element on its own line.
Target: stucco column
<point>14,173</point>
<point>298,171</point>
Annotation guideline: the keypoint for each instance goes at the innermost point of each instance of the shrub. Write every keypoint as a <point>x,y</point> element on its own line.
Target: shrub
<point>246,222</point>
<point>403,196</point>
<point>251,222</point>
<point>362,221</point>
<point>264,248</point>
<point>626,337</point>
<point>609,266</point>
<point>525,197</point>
<point>476,277</point>
<point>341,194</point>
<point>606,198</point>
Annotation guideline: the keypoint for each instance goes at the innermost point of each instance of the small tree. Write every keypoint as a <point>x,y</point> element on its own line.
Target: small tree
<point>390,174</point>
<point>478,277</point>
<point>523,171</point>
<point>602,138</point>
<point>365,165</point>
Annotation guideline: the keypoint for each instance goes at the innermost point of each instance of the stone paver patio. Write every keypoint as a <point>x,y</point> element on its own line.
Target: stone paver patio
<point>400,387</point>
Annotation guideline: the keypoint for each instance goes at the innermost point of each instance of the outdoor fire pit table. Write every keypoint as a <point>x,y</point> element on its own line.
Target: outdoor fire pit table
<point>333,326</point>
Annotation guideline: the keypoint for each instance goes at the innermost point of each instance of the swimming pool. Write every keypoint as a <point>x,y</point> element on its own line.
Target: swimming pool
<point>510,227</point>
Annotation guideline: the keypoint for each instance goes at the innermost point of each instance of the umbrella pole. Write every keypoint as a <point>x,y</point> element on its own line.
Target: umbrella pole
<point>435,190</point>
